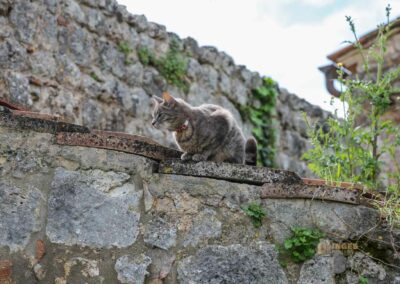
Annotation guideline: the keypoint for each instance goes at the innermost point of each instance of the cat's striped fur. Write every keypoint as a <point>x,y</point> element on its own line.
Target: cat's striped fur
<point>207,132</point>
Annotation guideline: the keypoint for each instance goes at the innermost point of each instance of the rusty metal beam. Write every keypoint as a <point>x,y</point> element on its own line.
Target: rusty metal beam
<point>37,122</point>
<point>125,143</point>
<point>9,105</point>
<point>317,192</point>
<point>311,181</point>
<point>127,136</point>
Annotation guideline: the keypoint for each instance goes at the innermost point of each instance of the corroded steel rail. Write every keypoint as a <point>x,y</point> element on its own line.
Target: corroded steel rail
<point>108,140</point>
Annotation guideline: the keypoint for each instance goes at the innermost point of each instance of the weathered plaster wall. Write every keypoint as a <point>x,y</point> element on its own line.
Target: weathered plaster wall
<point>72,214</point>
<point>62,57</point>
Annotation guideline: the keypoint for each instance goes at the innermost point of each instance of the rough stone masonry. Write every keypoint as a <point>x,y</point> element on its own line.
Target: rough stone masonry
<point>83,206</point>
<point>63,57</point>
<point>74,214</point>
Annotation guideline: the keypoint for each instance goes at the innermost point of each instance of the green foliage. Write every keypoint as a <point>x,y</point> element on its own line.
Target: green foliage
<point>124,48</point>
<point>261,116</point>
<point>352,148</point>
<point>172,66</point>
<point>255,212</point>
<point>95,77</point>
<point>145,56</point>
<point>302,245</point>
<point>362,280</point>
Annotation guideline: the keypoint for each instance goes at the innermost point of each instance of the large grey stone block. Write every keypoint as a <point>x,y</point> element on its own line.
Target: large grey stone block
<point>19,215</point>
<point>93,208</point>
<point>319,270</point>
<point>232,264</point>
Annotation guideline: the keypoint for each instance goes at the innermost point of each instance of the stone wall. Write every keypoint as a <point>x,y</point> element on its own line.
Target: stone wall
<point>64,57</point>
<point>72,214</point>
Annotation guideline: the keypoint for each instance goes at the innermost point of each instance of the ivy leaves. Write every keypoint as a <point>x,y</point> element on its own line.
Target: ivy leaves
<point>255,212</point>
<point>302,245</point>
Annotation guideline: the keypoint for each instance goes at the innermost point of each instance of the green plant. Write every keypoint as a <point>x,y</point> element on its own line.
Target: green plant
<point>255,212</point>
<point>352,148</point>
<point>362,279</point>
<point>145,56</point>
<point>124,48</point>
<point>261,112</point>
<point>302,245</point>
<point>172,66</point>
<point>95,77</point>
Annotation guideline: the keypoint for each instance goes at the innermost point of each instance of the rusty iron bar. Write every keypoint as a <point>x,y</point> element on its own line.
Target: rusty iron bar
<point>10,105</point>
<point>5,271</point>
<point>37,115</point>
<point>107,140</point>
<point>126,135</point>
<point>317,192</point>
<point>37,122</point>
<point>310,181</point>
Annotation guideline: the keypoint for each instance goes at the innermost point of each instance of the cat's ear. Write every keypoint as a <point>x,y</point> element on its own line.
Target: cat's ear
<point>157,100</point>
<point>168,99</point>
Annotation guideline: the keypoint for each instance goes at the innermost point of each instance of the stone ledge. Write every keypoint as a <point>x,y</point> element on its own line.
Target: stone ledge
<point>288,184</point>
<point>231,172</point>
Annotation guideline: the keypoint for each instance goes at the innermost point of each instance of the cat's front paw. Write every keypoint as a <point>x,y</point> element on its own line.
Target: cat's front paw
<point>186,157</point>
<point>198,158</point>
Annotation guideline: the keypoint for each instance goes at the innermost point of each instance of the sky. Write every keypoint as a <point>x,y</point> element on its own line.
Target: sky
<point>284,39</point>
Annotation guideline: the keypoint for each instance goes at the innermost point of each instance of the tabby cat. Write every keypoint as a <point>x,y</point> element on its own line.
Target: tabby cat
<point>204,133</point>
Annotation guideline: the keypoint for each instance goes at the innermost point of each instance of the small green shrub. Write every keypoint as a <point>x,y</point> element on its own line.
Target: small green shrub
<point>363,280</point>
<point>302,245</point>
<point>145,56</point>
<point>172,66</point>
<point>354,151</point>
<point>95,77</point>
<point>255,212</point>
<point>124,48</point>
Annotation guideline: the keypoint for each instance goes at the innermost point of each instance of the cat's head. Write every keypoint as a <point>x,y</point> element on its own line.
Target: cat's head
<point>168,113</point>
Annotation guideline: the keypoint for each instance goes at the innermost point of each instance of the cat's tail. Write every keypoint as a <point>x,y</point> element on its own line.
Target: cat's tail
<point>251,152</point>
